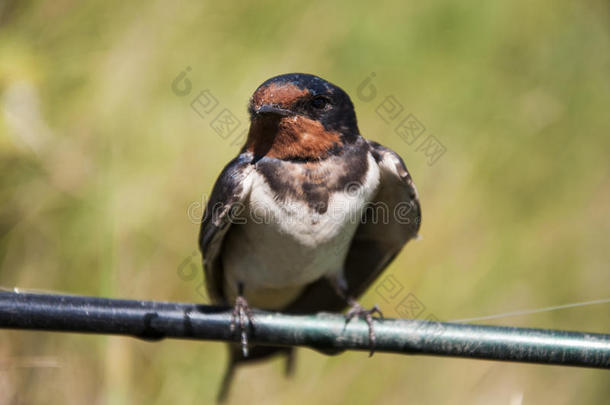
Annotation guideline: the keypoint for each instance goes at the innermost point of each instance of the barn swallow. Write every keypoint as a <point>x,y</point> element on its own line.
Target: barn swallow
<point>307,216</point>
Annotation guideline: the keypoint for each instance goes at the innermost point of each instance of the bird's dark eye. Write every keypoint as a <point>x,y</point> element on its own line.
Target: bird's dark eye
<point>319,102</point>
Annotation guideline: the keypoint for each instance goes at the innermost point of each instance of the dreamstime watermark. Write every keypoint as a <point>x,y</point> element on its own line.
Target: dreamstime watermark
<point>406,126</point>
<point>407,305</point>
<point>350,210</point>
<point>225,124</point>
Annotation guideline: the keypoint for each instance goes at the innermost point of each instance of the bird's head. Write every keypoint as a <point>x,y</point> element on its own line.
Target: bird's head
<point>299,116</point>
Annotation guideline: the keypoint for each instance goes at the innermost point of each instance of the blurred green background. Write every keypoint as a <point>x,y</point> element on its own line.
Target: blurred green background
<point>103,166</point>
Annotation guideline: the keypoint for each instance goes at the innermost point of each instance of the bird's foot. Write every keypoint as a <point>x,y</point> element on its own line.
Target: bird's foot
<point>241,318</point>
<point>359,311</point>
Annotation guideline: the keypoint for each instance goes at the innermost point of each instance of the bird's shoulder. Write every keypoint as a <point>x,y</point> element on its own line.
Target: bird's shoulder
<point>390,161</point>
<point>230,188</point>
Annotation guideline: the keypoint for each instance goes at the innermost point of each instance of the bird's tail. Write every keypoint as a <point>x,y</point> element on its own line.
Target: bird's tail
<point>255,354</point>
<point>225,385</point>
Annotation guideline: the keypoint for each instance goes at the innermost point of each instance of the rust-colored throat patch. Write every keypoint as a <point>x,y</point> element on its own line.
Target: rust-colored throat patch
<point>292,137</point>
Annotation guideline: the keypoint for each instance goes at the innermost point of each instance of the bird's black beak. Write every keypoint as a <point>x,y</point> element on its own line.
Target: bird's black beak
<point>267,109</point>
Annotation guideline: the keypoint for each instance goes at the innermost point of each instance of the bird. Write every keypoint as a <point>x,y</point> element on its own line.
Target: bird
<point>306,216</point>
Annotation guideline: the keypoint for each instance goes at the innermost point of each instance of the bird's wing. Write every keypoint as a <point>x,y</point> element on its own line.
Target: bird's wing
<point>228,196</point>
<point>389,222</point>
<point>231,190</point>
<point>379,239</point>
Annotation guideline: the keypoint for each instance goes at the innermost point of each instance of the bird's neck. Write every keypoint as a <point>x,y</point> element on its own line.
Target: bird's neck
<point>289,138</point>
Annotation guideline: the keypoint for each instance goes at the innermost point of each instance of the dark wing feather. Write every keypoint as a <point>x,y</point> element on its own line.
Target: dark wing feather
<point>377,240</point>
<point>230,190</point>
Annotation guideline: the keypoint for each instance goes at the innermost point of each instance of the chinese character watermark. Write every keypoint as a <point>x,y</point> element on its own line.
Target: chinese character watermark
<point>407,305</point>
<point>225,124</point>
<point>406,126</point>
<point>188,270</point>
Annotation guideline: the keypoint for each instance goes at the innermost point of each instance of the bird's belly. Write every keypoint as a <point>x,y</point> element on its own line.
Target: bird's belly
<point>276,257</point>
<point>274,262</point>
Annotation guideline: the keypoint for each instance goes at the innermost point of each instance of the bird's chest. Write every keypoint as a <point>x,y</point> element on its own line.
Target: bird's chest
<point>297,225</point>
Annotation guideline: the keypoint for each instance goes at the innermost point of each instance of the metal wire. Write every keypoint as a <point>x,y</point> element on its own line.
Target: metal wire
<point>153,320</point>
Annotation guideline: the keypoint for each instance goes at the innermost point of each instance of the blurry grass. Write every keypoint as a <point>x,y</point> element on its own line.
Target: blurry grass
<point>100,161</point>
